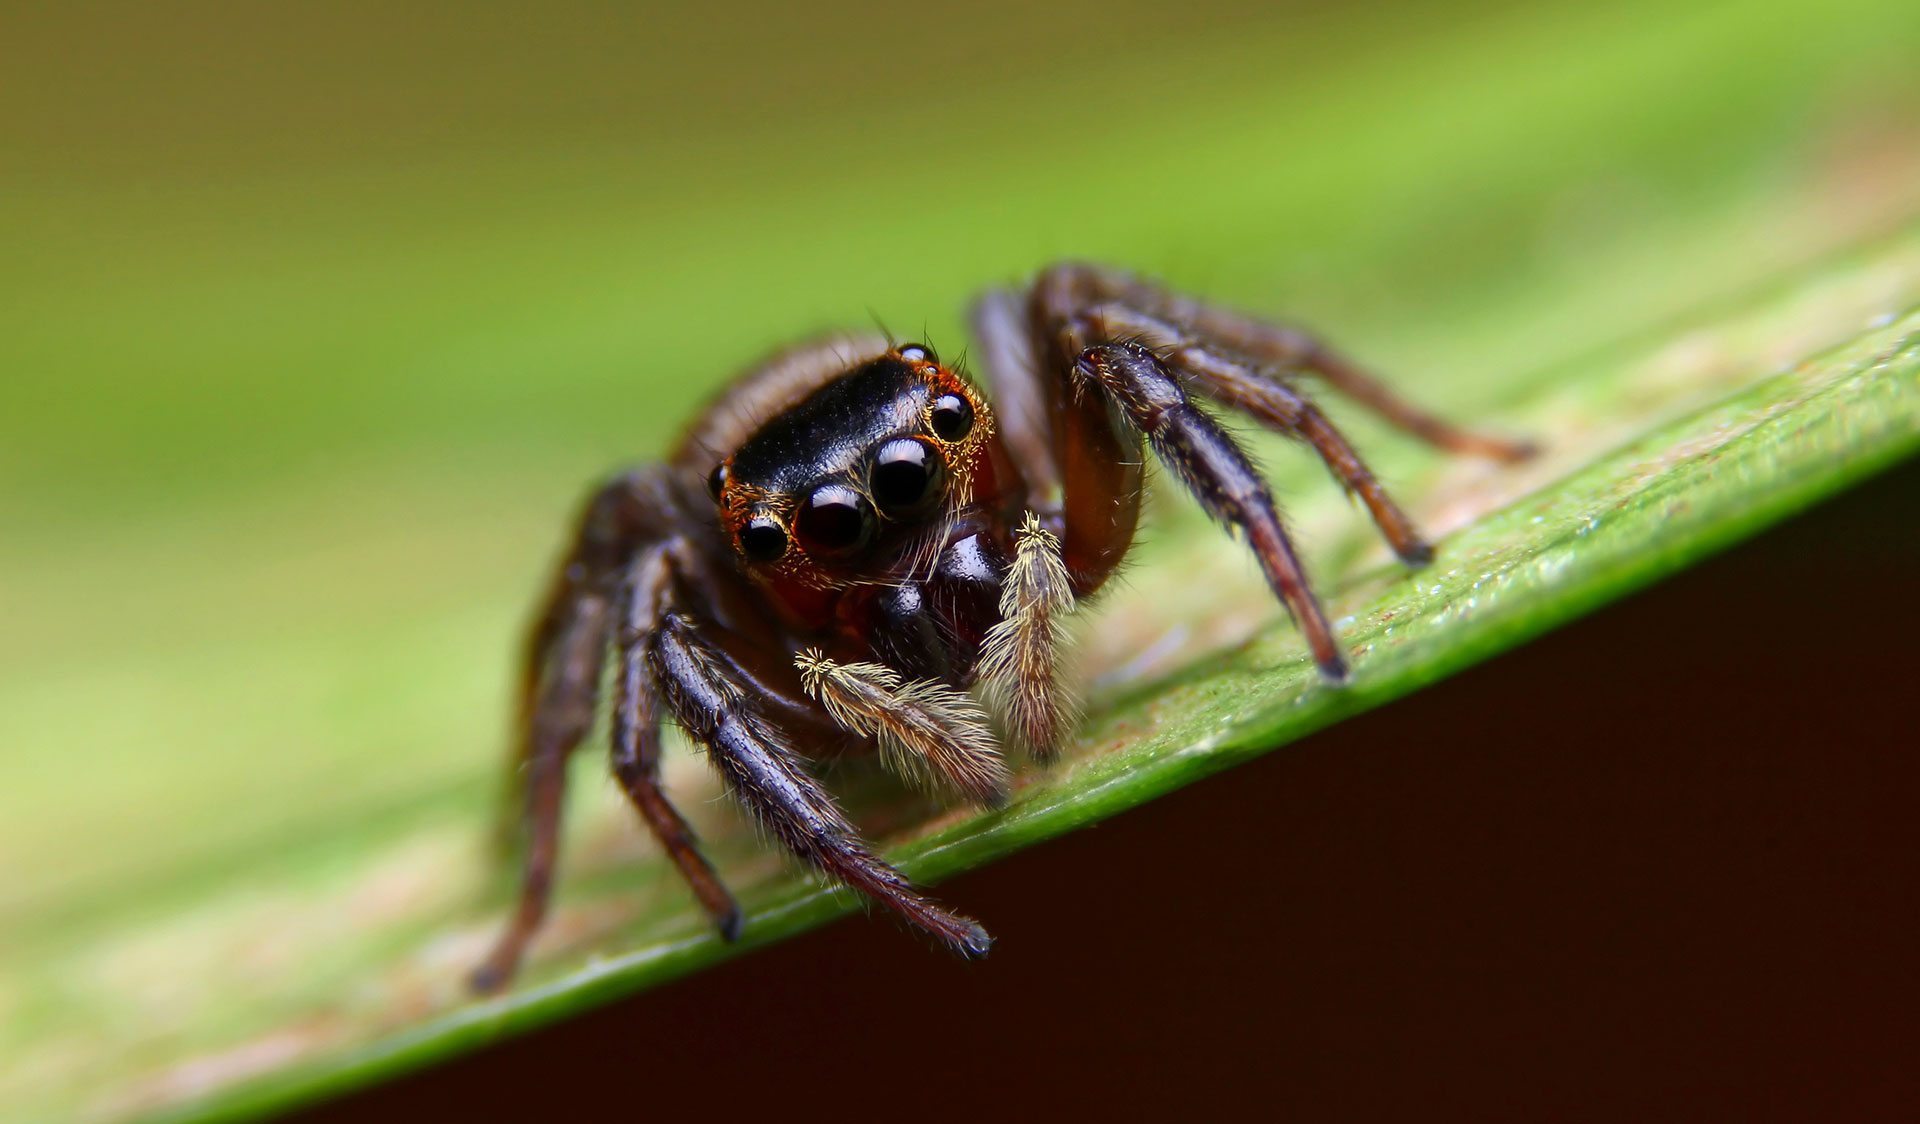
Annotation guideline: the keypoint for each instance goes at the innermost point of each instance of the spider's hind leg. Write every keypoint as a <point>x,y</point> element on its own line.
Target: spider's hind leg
<point>613,583</point>
<point>1272,346</point>
<point>560,687</point>
<point>1289,348</point>
<point>646,597</point>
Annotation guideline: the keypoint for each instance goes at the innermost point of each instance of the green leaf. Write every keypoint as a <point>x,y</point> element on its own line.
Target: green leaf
<point>272,533</point>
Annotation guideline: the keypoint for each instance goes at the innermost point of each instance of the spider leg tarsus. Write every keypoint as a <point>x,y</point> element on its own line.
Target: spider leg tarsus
<point>489,978</point>
<point>731,924</point>
<point>1514,451</point>
<point>975,942</point>
<point>1416,553</point>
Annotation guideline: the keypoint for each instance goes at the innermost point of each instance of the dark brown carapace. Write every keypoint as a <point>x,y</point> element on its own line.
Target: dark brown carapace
<point>853,541</point>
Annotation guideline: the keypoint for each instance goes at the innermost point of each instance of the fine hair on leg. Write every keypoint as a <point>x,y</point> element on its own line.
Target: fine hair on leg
<point>646,595</point>
<point>1217,473</point>
<point>764,773</point>
<point>1234,383</point>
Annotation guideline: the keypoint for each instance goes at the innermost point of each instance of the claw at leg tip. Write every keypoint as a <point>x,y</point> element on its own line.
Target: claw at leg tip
<point>1334,672</point>
<point>486,980</point>
<point>1517,451</point>
<point>976,941</point>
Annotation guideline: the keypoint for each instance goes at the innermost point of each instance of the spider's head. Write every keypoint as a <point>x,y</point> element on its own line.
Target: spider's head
<point>858,473</point>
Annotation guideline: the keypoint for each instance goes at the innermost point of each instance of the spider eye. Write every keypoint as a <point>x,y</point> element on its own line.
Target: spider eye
<point>717,480</point>
<point>907,477</point>
<point>952,417</point>
<point>917,353</point>
<point>834,520</point>
<point>763,539</point>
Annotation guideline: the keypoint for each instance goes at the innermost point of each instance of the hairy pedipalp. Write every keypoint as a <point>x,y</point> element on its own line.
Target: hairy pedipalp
<point>1021,661</point>
<point>929,733</point>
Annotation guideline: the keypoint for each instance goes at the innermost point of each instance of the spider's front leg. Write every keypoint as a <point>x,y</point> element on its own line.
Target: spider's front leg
<point>634,583</point>
<point>719,709</point>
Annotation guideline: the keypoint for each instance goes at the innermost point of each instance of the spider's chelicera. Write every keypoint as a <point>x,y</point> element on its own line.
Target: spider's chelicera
<point>853,541</point>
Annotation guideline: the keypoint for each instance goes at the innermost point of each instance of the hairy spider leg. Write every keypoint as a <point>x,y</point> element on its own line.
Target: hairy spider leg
<point>623,585</point>
<point>561,685</point>
<point>636,733</point>
<point>1140,397</point>
<point>1021,402</point>
<point>601,587</point>
<point>557,608</point>
<point>1288,349</point>
<point>1080,461</point>
<point>1206,459</point>
<point>761,768</point>
<point>1233,383</point>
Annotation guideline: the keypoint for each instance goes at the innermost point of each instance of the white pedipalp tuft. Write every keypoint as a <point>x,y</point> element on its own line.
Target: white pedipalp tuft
<point>929,733</point>
<point>1021,661</point>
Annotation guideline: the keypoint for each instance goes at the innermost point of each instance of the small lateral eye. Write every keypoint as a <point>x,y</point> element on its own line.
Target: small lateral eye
<point>917,353</point>
<point>717,479</point>
<point>907,477</point>
<point>763,539</point>
<point>834,520</point>
<point>952,417</point>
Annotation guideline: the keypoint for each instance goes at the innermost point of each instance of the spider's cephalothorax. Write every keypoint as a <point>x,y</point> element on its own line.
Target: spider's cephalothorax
<point>855,479</point>
<point>853,541</point>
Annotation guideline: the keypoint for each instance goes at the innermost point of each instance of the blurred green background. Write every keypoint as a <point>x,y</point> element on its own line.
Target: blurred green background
<point>316,319</point>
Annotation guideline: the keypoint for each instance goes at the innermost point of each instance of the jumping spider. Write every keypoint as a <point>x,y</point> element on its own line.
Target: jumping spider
<point>850,538</point>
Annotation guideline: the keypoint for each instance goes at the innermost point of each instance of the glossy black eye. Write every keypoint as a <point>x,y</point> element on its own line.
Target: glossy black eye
<point>835,519</point>
<point>907,477</point>
<point>717,480</point>
<point>763,539</point>
<point>918,353</point>
<point>952,417</point>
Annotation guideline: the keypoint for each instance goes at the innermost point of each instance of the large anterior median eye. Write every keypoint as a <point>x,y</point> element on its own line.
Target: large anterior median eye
<point>835,519</point>
<point>908,477</point>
